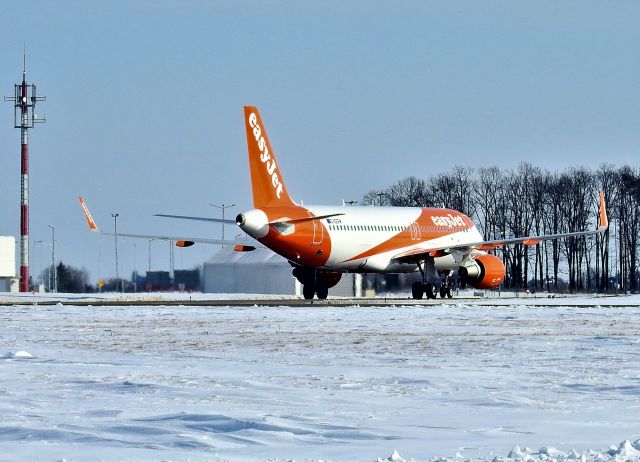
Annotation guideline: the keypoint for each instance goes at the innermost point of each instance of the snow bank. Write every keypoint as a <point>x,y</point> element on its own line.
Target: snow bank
<point>624,452</point>
<point>18,355</point>
<point>409,383</point>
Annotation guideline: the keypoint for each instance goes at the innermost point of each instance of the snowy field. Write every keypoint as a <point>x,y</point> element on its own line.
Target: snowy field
<point>320,383</point>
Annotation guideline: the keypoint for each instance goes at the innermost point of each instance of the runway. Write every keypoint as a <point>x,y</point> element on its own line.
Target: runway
<point>243,300</point>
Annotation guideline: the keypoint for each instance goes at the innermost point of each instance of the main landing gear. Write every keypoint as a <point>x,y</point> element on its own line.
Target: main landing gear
<point>431,290</point>
<point>316,282</point>
<point>310,289</point>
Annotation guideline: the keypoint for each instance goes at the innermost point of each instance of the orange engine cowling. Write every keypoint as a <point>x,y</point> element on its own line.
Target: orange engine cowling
<point>483,272</point>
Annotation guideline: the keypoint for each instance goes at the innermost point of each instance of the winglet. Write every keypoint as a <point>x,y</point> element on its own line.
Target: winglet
<point>604,221</point>
<point>92,224</point>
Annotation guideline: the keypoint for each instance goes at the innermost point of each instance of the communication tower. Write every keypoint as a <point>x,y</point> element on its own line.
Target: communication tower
<point>24,118</point>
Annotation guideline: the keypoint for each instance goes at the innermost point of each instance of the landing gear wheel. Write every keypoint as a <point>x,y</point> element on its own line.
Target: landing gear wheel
<point>323,292</point>
<point>443,291</point>
<point>431,290</point>
<point>449,293</point>
<point>416,290</point>
<point>307,291</point>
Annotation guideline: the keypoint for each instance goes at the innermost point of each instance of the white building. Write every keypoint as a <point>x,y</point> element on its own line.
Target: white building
<point>261,271</point>
<point>8,280</point>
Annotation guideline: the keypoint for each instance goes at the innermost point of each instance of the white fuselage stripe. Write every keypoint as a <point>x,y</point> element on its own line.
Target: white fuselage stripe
<point>361,229</point>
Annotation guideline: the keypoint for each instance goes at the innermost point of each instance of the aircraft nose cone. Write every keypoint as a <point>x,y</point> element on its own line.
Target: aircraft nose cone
<point>253,222</point>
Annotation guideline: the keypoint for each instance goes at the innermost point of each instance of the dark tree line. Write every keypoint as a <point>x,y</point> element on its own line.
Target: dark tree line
<point>68,279</point>
<point>531,201</point>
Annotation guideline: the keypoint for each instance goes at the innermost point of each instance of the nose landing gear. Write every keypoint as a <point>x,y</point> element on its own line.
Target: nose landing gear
<point>445,288</point>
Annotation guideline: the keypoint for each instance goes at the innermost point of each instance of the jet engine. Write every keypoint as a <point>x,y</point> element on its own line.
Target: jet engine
<point>482,272</point>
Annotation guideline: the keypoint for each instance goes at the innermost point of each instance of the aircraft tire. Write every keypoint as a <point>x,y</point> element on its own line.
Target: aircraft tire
<point>322,292</point>
<point>417,290</point>
<point>431,290</point>
<point>308,290</point>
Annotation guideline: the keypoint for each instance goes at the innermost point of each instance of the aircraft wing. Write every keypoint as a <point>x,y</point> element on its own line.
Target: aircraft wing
<point>181,241</point>
<point>489,245</point>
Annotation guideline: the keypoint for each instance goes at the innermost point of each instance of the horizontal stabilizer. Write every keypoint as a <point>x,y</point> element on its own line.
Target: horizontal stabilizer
<point>293,221</point>
<point>184,217</point>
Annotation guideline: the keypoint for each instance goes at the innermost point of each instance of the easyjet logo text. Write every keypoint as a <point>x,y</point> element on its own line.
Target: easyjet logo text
<point>448,220</point>
<point>265,156</point>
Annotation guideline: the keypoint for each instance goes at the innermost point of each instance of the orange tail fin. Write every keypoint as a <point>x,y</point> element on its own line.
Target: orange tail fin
<point>266,179</point>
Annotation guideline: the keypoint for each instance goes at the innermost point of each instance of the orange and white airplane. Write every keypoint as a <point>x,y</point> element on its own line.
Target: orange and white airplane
<point>323,242</point>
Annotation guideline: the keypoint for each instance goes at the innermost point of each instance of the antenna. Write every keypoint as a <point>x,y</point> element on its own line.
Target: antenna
<point>24,118</point>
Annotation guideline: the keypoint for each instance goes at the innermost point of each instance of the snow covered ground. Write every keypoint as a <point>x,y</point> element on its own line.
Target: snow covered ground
<point>320,383</point>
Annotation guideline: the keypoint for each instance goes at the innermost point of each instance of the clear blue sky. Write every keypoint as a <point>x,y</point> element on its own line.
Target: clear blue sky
<point>144,103</point>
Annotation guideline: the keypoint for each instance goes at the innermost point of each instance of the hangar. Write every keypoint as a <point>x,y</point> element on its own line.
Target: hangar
<point>8,280</point>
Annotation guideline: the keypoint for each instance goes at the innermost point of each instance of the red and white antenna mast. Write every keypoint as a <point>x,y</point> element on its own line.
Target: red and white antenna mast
<point>24,118</point>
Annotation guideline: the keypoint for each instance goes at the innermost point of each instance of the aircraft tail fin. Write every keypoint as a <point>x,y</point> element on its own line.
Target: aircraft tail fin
<point>267,183</point>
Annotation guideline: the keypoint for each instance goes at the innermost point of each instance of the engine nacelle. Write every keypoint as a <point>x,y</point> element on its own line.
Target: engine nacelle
<point>483,272</point>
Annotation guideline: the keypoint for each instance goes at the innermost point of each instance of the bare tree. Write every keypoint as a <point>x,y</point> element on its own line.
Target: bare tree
<point>531,200</point>
<point>409,192</point>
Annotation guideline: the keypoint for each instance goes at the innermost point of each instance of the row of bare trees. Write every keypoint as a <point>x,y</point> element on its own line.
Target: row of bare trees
<point>532,201</point>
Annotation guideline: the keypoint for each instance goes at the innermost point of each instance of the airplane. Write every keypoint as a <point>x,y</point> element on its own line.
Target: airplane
<point>323,242</point>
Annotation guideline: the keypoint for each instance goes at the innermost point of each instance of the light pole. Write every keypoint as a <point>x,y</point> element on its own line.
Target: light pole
<point>135,267</point>
<point>149,269</point>
<point>147,284</point>
<point>223,208</point>
<point>171,267</point>
<point>37,256</point>
<point>99,264</point>
<point>53,258</point>
<point>115,241</point>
